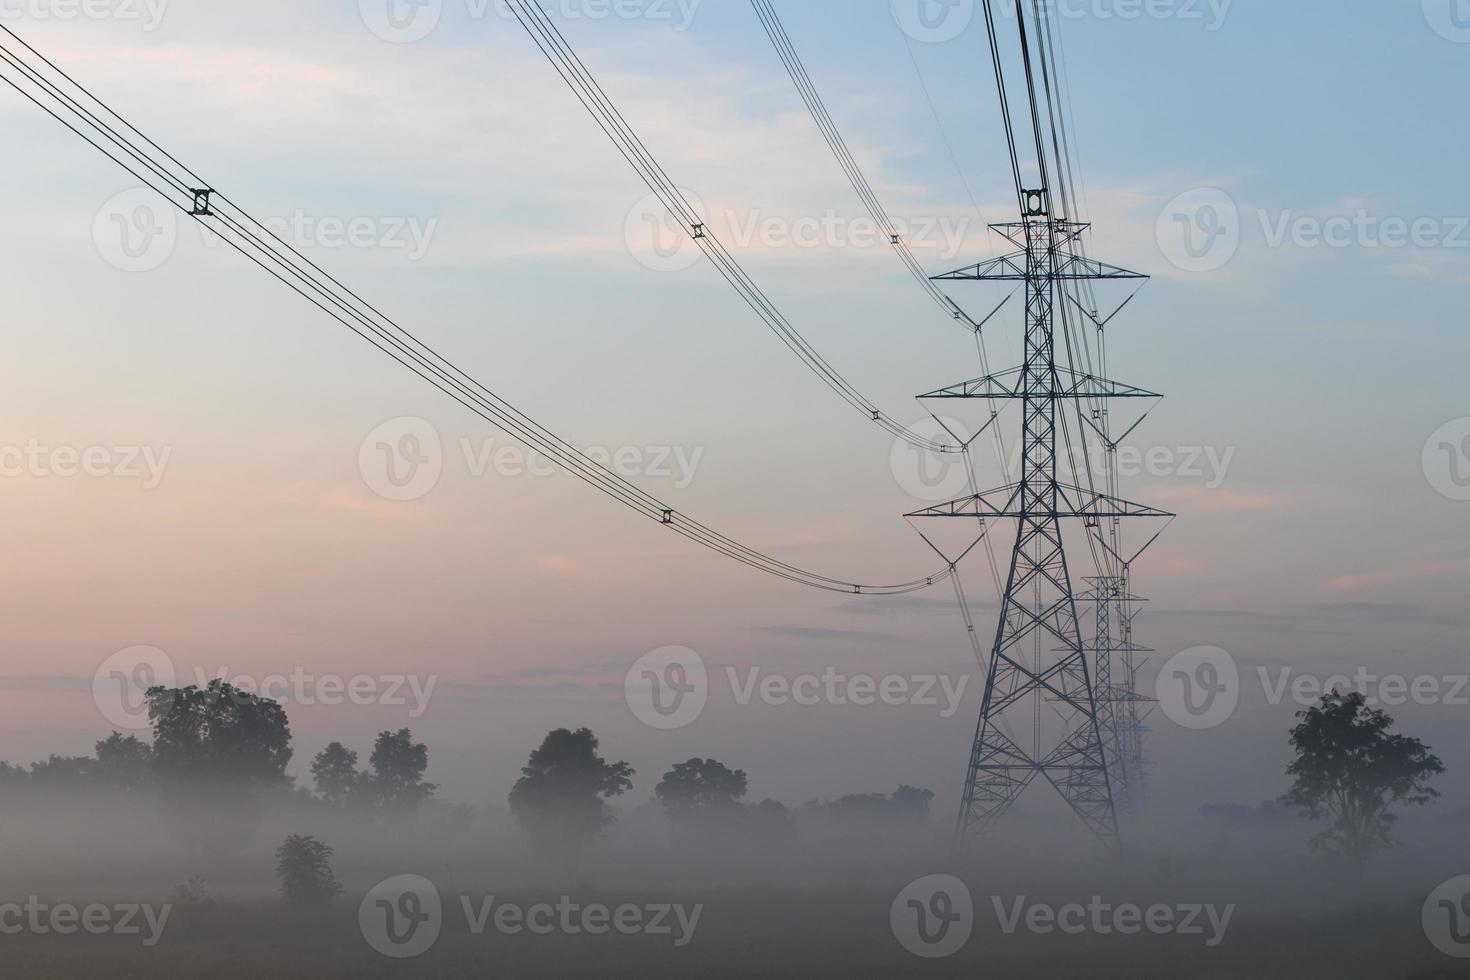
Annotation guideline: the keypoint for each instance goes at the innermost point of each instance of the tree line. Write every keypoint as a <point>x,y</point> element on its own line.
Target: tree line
<point>219,756</point>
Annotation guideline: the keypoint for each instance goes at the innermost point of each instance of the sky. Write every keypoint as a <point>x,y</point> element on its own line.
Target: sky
<point>1310,340</point>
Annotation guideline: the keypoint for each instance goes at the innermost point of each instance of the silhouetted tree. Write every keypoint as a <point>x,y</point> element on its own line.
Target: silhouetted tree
<point>63,773</point>
<point>334,771</point>
<point>911,801</point>
<point>304,870</point>
<point>13,778</point>
<point>124,764</point>
<point>1350,768</point>
<point>906,803</point>
<point>700,792</point>
<point>398,765</point>
<point>559,799</point>
<point>216,750</point>
<point>770,820</point>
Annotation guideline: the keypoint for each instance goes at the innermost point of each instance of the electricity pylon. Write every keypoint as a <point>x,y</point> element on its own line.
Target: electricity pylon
<point>1122,710</point>
<point>1039,654</point>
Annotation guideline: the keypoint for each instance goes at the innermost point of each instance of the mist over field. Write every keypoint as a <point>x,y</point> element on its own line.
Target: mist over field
<point>728,489</point>
<point>113,871</point>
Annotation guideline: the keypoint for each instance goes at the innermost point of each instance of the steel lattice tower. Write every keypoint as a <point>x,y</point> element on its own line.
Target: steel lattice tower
<point>1039,654</point>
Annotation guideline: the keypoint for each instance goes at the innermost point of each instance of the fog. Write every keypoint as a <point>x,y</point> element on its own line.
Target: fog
<point>189,887</point>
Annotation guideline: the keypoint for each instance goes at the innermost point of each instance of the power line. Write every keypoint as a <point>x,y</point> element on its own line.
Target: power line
<point>564,59</point>
<point>87,117</point>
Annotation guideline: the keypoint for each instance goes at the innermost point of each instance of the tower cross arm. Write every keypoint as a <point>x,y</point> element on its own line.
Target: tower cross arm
<point>1012,268</point>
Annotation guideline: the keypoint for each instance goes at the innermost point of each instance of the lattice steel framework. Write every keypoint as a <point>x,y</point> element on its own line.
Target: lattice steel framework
<point>1039,654</point>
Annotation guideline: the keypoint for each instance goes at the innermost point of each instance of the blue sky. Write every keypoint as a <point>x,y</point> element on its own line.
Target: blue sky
<point>1320,370</point>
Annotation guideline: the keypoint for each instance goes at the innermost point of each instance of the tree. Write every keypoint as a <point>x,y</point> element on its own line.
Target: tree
<point>124,764</point>
<point>1350,768</point>
<point>771,821</point>
<point>398,771</point>
<point>912,801</point>
<point>334,771</point>
<point>304,869</point>
<point>906,803</point>
<point>559,799</point>
<point>219,733</point>
<point>700,791</point>
<point>216,750</point>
